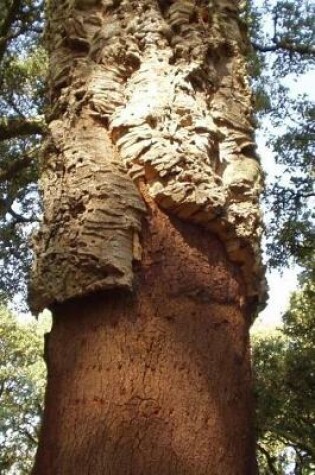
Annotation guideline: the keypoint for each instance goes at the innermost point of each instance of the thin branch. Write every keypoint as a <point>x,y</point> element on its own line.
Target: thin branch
<point>7,24</point>
<point>288,438</point>
<point>285,46</point>
<point>269,459</point>
<point>2,387</point>
<point>4,40</point>
<point>9,99</point>
<point>40,409</point>
<point>15,167</point>
<point>29,436</point>
<point>275,24</point>
<point>11,128</point>
<point>5,205</point>
<point>19,219</point>
<point>306,195</point>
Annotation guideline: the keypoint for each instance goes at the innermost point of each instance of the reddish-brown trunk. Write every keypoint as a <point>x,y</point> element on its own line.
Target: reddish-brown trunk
<point>155,382</point>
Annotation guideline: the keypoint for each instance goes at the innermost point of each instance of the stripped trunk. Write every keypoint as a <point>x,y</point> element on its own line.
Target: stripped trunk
<point>148,254</point>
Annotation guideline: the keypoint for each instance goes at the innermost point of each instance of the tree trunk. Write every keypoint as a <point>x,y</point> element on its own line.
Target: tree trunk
<point>148,254</point>
<point>155,382</point>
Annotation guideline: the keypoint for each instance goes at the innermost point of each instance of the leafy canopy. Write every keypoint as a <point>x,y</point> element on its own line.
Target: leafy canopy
<point>284,365</point>
<point>22,382</point>
<point>283,37</point>
<point>22,69</point>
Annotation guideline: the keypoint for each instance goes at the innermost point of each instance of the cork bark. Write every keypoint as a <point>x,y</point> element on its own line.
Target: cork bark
<point>150,92</point>
<point>156,382</point>
<point>148,254</point>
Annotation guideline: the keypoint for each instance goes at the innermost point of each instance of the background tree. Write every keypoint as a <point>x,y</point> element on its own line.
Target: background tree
<point>22,68</point>
<point>283,41</point>
<point>22,383</point>
<point>285,49</point>
<point>284,366</point>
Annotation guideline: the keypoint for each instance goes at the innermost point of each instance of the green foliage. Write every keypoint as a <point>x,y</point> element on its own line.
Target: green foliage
<point>22,68</point>
<point>283,37</point>
<point>284,364</point>
<point>292,196</point>
<point>22,380</point>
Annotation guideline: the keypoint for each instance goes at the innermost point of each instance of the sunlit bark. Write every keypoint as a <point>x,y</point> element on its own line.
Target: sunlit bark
<point>151,186</point>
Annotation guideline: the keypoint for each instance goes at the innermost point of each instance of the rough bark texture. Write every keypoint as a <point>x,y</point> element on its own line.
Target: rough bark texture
<point>151,185</point>
<point>156,382</point>
<point>151,91</point>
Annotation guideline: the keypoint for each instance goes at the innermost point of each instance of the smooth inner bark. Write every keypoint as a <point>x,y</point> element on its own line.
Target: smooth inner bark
<point>156,382</point>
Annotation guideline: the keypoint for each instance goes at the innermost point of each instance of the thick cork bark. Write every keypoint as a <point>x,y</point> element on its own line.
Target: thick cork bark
<point>156,382</point>
<point>150,91</point>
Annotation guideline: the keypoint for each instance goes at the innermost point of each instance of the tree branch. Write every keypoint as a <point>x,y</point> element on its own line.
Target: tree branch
<point>288,438</point>
<point>7,24</point>
<point>269,459</point>
<point>2,387</point>
<point>11,128</point>
<point>40,409</point>
<point>19,219</point>
<point>285,46</point>
<point>15,167</point>
<point>29,436</point>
